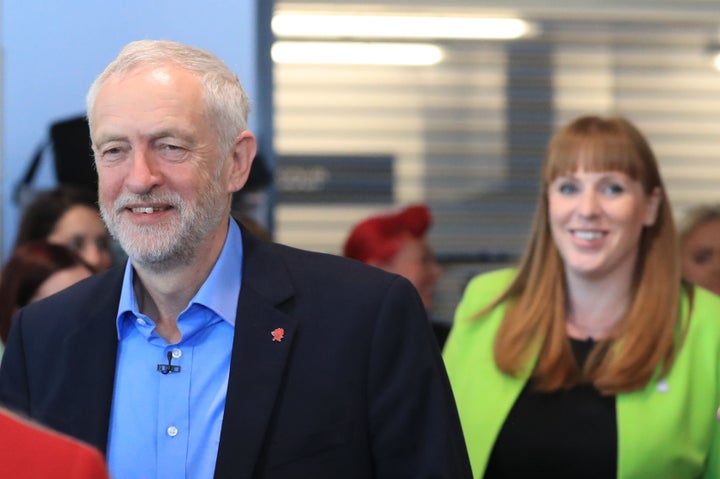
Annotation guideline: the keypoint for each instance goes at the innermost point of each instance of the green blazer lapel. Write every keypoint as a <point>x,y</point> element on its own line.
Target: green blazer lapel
<point>494,394</point>
<point>666,429</point>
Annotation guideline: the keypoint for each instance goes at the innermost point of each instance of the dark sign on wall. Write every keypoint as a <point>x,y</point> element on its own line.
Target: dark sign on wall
<point>334,179</point>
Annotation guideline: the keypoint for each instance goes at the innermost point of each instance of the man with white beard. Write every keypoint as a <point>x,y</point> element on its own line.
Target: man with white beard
<point>211,353</point>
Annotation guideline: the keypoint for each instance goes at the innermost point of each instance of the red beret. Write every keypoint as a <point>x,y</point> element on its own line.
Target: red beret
<point>380,237</point>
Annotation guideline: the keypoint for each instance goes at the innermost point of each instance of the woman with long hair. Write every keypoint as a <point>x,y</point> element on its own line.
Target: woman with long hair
<point>592,358</point>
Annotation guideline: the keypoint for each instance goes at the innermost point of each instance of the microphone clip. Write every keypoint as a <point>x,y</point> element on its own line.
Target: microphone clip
<point>169,367</point>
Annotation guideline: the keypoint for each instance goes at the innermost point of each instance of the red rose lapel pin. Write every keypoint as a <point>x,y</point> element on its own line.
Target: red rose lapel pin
<point>277,334</point>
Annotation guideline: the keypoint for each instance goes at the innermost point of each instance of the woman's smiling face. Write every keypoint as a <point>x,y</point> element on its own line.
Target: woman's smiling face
<point>596,219</point>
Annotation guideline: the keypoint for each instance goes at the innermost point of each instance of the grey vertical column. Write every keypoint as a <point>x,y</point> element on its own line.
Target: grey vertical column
<point>265,101</point>
<point>529,121</point>
<point>2,147</point>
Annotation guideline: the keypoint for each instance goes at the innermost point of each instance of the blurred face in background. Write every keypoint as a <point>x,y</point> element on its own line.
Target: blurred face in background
<point>60,280</point>
<point>416,262</point>
<point>82,230</point>
<point>700,256</point>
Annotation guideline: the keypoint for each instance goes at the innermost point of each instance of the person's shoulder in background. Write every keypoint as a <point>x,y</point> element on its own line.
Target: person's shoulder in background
<point>30,451</point>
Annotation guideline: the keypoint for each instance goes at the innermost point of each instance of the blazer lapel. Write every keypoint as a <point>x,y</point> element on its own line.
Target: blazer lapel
<point>90,357</point>
<point>263,338</point>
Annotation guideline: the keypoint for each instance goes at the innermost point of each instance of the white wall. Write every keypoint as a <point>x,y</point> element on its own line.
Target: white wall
<point>52,50</point>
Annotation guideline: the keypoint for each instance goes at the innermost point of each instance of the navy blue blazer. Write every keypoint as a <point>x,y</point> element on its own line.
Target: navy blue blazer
<point>356,388</point>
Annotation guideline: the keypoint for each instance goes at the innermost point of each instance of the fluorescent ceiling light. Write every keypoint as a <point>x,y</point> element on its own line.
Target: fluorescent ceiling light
<point>389,26</point>
<point>356,53</point>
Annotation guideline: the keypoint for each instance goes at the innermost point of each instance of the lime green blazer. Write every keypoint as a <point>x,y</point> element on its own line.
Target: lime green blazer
<point>669,429</point>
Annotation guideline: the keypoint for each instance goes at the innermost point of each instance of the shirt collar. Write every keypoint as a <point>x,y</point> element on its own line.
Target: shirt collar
<point>219,292</point>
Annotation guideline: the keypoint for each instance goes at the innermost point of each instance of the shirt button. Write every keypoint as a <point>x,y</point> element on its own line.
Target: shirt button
<point>176,353</point>
<point>172,431</point>
<point>141,321</point>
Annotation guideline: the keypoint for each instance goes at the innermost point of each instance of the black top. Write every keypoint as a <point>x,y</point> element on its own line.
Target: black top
<point>561,434</point>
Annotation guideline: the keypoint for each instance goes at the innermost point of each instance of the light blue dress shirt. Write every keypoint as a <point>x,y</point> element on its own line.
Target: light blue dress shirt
<point>168,425</point>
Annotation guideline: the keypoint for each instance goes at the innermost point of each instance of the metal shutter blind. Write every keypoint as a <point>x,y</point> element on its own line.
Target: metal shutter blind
<point>468,135</point>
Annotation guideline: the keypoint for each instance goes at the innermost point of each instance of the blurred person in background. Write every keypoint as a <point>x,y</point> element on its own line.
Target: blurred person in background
<point>699,234</point>
<point>593,358</point>
<point>397,242</point>
<point>70,217</point>
<point>34,271</point>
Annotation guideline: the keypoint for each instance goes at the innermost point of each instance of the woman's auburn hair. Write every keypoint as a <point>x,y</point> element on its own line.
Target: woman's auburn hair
<point>534,323</point>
